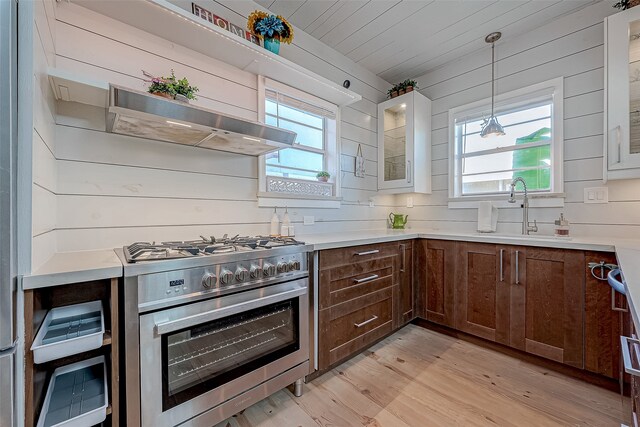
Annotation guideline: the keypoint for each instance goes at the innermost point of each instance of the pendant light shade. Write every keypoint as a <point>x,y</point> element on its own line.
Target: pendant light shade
<point>492,127</point>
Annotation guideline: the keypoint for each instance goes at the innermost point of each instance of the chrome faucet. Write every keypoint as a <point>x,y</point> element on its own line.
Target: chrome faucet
<point>526,225</point>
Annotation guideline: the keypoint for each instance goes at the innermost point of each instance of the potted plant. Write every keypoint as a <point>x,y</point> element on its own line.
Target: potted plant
<point>323,176</point>
<point>273,29</point>
<point>401,88</point>
<point>626,4</point>
<point>170,87</point>
<point>410,85</point>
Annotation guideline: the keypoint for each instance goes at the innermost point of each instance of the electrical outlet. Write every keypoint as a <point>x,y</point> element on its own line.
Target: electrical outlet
<point>308,220</point>
<point>596,195</point>
<point>409,202</point>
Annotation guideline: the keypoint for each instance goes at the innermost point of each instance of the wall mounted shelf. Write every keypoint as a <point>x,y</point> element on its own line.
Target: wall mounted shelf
<point>176,24</point>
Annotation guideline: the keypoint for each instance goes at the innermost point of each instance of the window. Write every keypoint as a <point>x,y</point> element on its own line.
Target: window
<point>291,173</point>
<point>309,123</point>
<point>531,149</point>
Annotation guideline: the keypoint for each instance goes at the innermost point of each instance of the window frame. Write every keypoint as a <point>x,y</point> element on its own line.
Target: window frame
<point>527,96</point>
<point>331,152</point>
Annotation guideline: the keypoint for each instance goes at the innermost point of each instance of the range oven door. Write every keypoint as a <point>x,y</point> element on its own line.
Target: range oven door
<point>196,356</point>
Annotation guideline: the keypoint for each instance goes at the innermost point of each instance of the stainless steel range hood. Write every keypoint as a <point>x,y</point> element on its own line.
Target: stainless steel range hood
<point>149,116</point>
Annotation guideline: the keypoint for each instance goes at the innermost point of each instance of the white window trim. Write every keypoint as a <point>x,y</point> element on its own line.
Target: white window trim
<point>332,159</point>
<point>525,95</point>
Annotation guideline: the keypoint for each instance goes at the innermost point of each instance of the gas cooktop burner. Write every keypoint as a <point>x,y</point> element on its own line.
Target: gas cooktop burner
<point>145,251</point>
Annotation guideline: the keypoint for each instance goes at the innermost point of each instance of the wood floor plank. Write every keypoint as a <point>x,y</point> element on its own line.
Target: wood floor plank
<point>418,377</point>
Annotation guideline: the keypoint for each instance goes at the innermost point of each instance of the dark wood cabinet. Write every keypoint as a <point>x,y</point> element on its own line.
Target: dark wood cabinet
<point>435,280</point>
<point>548,303</point>
<point>606,319</point>
<point>364,293</point>
<point>405,290</point>
<point>482,291</point>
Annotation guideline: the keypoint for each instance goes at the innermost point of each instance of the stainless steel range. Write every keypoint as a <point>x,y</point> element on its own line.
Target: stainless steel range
<point>212,326</point>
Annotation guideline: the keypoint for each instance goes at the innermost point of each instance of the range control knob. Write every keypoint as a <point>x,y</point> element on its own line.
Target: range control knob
<point>226,276</point>
<point>294,265</point>
<point>283,267</point>
<point>255,271</point>
<point>242,274</point>
<point>209,280</point>
<point>268,269</point>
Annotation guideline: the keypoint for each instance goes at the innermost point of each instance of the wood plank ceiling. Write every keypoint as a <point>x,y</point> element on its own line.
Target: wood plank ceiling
<point>406,39</point>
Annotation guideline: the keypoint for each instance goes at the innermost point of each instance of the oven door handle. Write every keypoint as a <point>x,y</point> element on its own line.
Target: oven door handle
<point>229,310</point>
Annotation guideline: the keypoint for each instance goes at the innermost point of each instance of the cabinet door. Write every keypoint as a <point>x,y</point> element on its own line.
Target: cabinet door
<point>395,142</point>
<point>548,303</point>
<point>623,94</point>
<point>435,270</point>
<point>405,297</point>
<point>482,292</point>
<point>605,320</point>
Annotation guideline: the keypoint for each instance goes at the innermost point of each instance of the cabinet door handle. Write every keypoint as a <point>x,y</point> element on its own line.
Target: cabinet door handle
<point>501,265</point>
<point>359,325</point>
<point>614,307</point>
<point>517,267</point>
<point>366,279</point>
<point>375,251</point>
<point>404,257</point>
<point>409,171</point>
<point>626,355</point>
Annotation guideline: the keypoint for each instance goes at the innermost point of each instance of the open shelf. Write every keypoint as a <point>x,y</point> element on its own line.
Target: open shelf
<point>180,26</point>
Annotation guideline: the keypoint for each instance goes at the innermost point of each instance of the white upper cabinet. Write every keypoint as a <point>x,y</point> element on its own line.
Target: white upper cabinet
<point>404,144</point>
<point>622,95</point>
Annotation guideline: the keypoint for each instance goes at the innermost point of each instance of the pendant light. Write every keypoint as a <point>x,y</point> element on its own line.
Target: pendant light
<point>491,127</point>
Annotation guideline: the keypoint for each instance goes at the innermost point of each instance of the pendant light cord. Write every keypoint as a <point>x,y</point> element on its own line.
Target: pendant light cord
<point>493,81</point>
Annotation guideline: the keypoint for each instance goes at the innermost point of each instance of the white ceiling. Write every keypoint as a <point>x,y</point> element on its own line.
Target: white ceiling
<point>405,39</point>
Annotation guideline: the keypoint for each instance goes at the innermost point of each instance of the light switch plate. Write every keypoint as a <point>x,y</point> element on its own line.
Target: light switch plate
<point>409,202</point>
<point>596,195</point>
<point>308,220</point>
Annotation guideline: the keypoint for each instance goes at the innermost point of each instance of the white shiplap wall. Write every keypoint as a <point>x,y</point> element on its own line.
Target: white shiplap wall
<point>44,166</point>
<point>112,190</point>
<point>571,47</point>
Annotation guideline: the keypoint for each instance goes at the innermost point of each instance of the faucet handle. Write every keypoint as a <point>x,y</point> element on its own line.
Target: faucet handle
<point>533,228</point>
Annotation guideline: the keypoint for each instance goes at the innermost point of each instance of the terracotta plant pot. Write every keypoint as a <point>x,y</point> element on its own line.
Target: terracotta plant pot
<point>162,95</point>
<point>401,92</point>
<point>394,93</point>
<point>408,89</point>
<point>323,178</point>
<point>634,3</point>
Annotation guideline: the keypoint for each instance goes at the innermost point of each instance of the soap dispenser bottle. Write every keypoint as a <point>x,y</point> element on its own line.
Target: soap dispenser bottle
<point>286,224</point>
<point>562,227</point>
<point>275,224</point>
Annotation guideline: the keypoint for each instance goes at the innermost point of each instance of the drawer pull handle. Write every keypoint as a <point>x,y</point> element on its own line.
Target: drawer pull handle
<point>626,355</point>
<point>375,251</point>
<point>366,279</point>
<point>359,325</point>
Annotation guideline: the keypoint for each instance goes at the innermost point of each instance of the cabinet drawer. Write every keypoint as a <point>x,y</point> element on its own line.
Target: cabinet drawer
<point>354,325</point>
<point>356,254</point>
<point>340,284</point>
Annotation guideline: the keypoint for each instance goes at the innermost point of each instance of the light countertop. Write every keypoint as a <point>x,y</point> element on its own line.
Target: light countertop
<point>337,240</point>
<point>73,267</point>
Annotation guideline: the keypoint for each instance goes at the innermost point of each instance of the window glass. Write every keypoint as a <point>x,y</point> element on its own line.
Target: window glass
<point>488,165</point>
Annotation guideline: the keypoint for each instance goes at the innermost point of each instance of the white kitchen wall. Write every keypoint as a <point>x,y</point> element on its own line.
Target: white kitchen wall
<point>571,47</point>
<point>44,187</point>
<point>112,190</point>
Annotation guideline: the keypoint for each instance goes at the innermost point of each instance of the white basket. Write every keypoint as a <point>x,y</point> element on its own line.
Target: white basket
<point>65,346</point>
<point>62,414</point>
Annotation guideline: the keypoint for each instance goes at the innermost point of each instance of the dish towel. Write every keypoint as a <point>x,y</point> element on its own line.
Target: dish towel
<point>487,217</point>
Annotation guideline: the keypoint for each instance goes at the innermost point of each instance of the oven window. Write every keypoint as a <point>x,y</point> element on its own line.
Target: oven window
<point>204,357</point>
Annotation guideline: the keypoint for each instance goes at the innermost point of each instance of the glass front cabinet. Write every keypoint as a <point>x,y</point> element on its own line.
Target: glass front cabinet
<point>622,99</point>
<point>404,144</point>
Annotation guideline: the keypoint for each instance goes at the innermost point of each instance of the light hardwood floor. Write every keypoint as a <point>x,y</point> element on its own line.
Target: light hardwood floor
<point>418,377</point>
